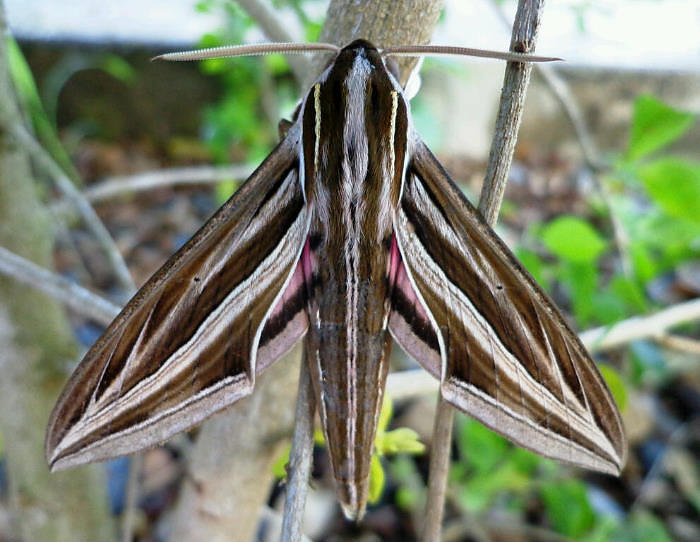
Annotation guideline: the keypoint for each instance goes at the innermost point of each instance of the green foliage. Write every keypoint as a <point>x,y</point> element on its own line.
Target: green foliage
<point>655,126</point>
<point>614,382</point>
<point>397,441</point>
<point>567,507</point>
<point>573,239</point>
<point>654,198</point>
<point>674,185</point>
<point>28,96</point>
<point>640,527</point>
<point>490,467</point>
<point>656,203</point>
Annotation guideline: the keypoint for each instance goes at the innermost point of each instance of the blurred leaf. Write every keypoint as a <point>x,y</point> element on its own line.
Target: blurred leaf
<point>525,460</point>
<point>605,308</point>
<point>654,125</point>
<point>641,527</point>
<point>319,439</point>
<point>648,363</point>
<point>567,507</point>
<point>385,414</point>
<point>376,479</point>
<point>614,382</point>
<point>582,282</point>
<point>629,292</point>
<point>573,239</point>
<point>224,190</point>
<point>279,467</point>
<point>603,530</point>
<point>401,440</point>
<point>410,483</point>
<point>480,446</point>
<point>28,95</point>
<point>405,498</point>
<point>118,68</point>
<point>477,492</point>
<point>644,265</point>
<point>533,263</point>
<point>674,184</point>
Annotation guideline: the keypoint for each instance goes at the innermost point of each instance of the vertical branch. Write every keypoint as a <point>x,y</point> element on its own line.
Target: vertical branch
<point>515,83</point>
<point>35,341</point>
<point>385,24</point>
<point>231,461</point>
<point>300,457</point>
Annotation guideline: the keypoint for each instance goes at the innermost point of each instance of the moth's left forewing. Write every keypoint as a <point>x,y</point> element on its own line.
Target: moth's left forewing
<point>192,339</point>
<point>506,355</point>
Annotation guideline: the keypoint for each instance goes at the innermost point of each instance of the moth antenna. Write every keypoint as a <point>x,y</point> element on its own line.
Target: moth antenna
<point>422,50</point>
<point>248,50</point>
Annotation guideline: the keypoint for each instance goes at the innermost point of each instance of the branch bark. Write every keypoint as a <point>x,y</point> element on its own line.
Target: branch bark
<point>35,341</point>
<point>515,83</point>
<point>231,475</point>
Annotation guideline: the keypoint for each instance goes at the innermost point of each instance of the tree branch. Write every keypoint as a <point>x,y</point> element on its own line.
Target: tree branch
<point>300,457</point>
<point>515,83</point>
<point>117,186</point>
<point>73,295</point>
<point>66,186</point>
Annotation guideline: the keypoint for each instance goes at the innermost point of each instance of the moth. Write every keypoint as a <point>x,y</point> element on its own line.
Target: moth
<point>350,234</point>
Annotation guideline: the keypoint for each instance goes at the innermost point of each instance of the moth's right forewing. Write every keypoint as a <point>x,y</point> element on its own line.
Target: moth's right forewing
<point>506,355</point>
<point>190,341</point>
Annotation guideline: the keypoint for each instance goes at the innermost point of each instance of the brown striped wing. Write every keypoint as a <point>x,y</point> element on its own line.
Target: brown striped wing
<point>190,341</point>
<point>504,353</point>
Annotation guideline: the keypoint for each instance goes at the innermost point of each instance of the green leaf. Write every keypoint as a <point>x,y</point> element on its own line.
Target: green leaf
<point>376,479</point>
<point>385,414</point>
<point>319,439</point>
<point>533,263</point>
<point>480,489</point>
<point>401,440</point>
<point>567,507</point>
<point>224,190</point>
<point>641,527</point>
<point>674,184</point>
<point>573,239</point>
<point>28,95</point>
<point>279,467</point>
<point>118,68</point>
<point>483,448</point>
<point>614,382</point>
<point>524,460</point>
<point>629,292</point>
<point>582,282</point>
<point>654,125</point>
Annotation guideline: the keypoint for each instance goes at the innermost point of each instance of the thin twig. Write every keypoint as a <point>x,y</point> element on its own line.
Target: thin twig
<point>300,455</point>
<point>132,496</point>
<point>66,186</point>
<point>418,382</point>
<point>300,458</point>
<point>275,520</point>
<point>270,24</point>
<point>117,186</point>
<point>597,164</point>
<point>400,385</point>
<point>516,80</point>
<point>440,448</point>
<point>76,297</point>
<point>641,327</point>
<point>686,345</point>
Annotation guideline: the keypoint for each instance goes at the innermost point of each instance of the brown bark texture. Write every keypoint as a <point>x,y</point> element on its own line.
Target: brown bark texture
<point>230,469</point>
<point>36,343</point>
